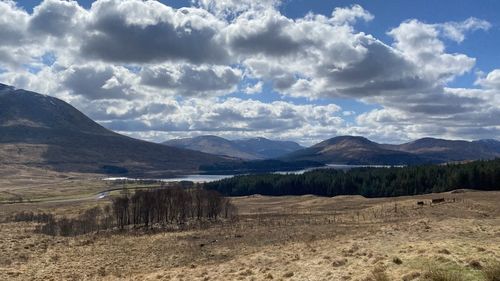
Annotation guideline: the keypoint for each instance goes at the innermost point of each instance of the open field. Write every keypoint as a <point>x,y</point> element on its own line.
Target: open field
<point>276,238</point>
<point>37,184</point>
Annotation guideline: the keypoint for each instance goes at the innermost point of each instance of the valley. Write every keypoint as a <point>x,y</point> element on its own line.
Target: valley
<point>60,220</point>
<point>274,140</point>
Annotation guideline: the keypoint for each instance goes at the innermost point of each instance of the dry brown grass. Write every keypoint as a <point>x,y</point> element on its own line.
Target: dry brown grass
<point>276,238</point>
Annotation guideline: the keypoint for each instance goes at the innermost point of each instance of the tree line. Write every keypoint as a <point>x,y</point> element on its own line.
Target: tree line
<point>168,206</point>
<point>172,207</point>
<point>369,182</point>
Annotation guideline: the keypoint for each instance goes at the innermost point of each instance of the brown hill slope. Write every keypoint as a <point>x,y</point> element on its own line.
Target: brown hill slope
<point>43,131</point>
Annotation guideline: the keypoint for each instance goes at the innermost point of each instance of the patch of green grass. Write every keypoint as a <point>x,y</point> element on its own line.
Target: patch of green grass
<point>436,270</point>
<point>440,274</point>
<point>492,272</point>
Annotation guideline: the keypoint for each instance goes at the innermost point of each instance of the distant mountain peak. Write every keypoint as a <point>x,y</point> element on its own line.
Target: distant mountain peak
<point>349,140</point>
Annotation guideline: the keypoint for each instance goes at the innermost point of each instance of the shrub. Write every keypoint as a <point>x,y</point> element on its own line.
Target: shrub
<point>397,260</point>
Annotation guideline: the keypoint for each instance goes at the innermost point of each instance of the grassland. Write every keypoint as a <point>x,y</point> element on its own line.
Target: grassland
<point>275,238</point>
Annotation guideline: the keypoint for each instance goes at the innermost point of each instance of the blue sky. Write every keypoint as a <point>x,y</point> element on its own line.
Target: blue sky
<point>304,70</point>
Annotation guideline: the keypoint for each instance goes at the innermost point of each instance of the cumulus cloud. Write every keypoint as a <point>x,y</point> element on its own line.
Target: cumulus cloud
<point>100,82</point>
<point>56,18</point>
<point>456,30</point>
<point>492,80</point>
<point>255,88</point>
<point>350,15</point>
<point>265,33</point>
<point>12,23</point>
<point>188,80</point>
<point>148,31</point>
<point>231,117</point>
<point>231,8</point>
<point>153,71</point>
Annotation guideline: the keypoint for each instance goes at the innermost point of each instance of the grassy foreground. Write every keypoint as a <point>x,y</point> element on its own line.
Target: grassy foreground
<point>278,238</point>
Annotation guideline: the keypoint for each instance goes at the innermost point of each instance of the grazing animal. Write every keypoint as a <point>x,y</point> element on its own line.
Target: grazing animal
<point>420,203</point>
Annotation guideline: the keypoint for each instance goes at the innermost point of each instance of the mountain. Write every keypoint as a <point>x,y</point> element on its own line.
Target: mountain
<point>213,145</point>
<point>490,144</point>
<point>441,150</point>
<point>266,148</point>
<point>248,149</point>
<point>359,150</point>
<point>42,131</point>
<point>352,150</point>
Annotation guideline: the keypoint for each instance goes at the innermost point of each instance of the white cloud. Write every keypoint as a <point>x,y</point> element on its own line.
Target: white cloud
<point>231,117</point>
<point>12,23</point>
<point>147,31</point>
<point>492,80</point>
<point>255,88</point>
<point>456,30</point>
<point>147,68</point>
<point>57,18</point>
<point>350,15</point>
<point>190,80</point>
<point>231,8</point>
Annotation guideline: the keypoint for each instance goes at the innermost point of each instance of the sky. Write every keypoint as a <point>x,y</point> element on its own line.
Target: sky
<point>302,70</point>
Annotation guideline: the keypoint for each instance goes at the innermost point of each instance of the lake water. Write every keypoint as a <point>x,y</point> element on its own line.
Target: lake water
<point>192,178</point>
<point>210,178</point>
<point>330,166</point>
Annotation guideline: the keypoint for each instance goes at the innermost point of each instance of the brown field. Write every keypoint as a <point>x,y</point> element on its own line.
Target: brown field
<point>276,238</point>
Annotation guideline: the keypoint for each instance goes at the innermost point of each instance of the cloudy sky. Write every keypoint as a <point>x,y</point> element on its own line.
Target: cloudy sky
<point>303,70</point>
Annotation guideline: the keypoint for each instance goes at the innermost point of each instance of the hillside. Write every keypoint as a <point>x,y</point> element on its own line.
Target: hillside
<point>43,131</point>
<point>359,150</point>
<point>266,148</point>
<point>213,145</point>
<point>248,149</point>
<point>352,150</point>
<point>441,150</point>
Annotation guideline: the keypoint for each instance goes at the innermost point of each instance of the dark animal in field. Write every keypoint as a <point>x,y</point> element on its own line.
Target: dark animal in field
<point>438,200</point>
<point>420,203</point>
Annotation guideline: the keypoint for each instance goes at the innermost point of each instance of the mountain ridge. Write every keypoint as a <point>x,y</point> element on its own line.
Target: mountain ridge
<point>360,150</point>
<point>257,148</point>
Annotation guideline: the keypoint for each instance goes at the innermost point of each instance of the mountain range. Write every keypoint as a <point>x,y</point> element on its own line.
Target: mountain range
<point>359,150</point>
<point>43,131</point>
<point>247,149</point>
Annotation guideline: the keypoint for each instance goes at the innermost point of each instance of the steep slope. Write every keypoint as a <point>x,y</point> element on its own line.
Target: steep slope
<point>44,131</point>
<point>441,150</point>
<point>352,150</point>
<point>213,145</point>
<point>248,149</point>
